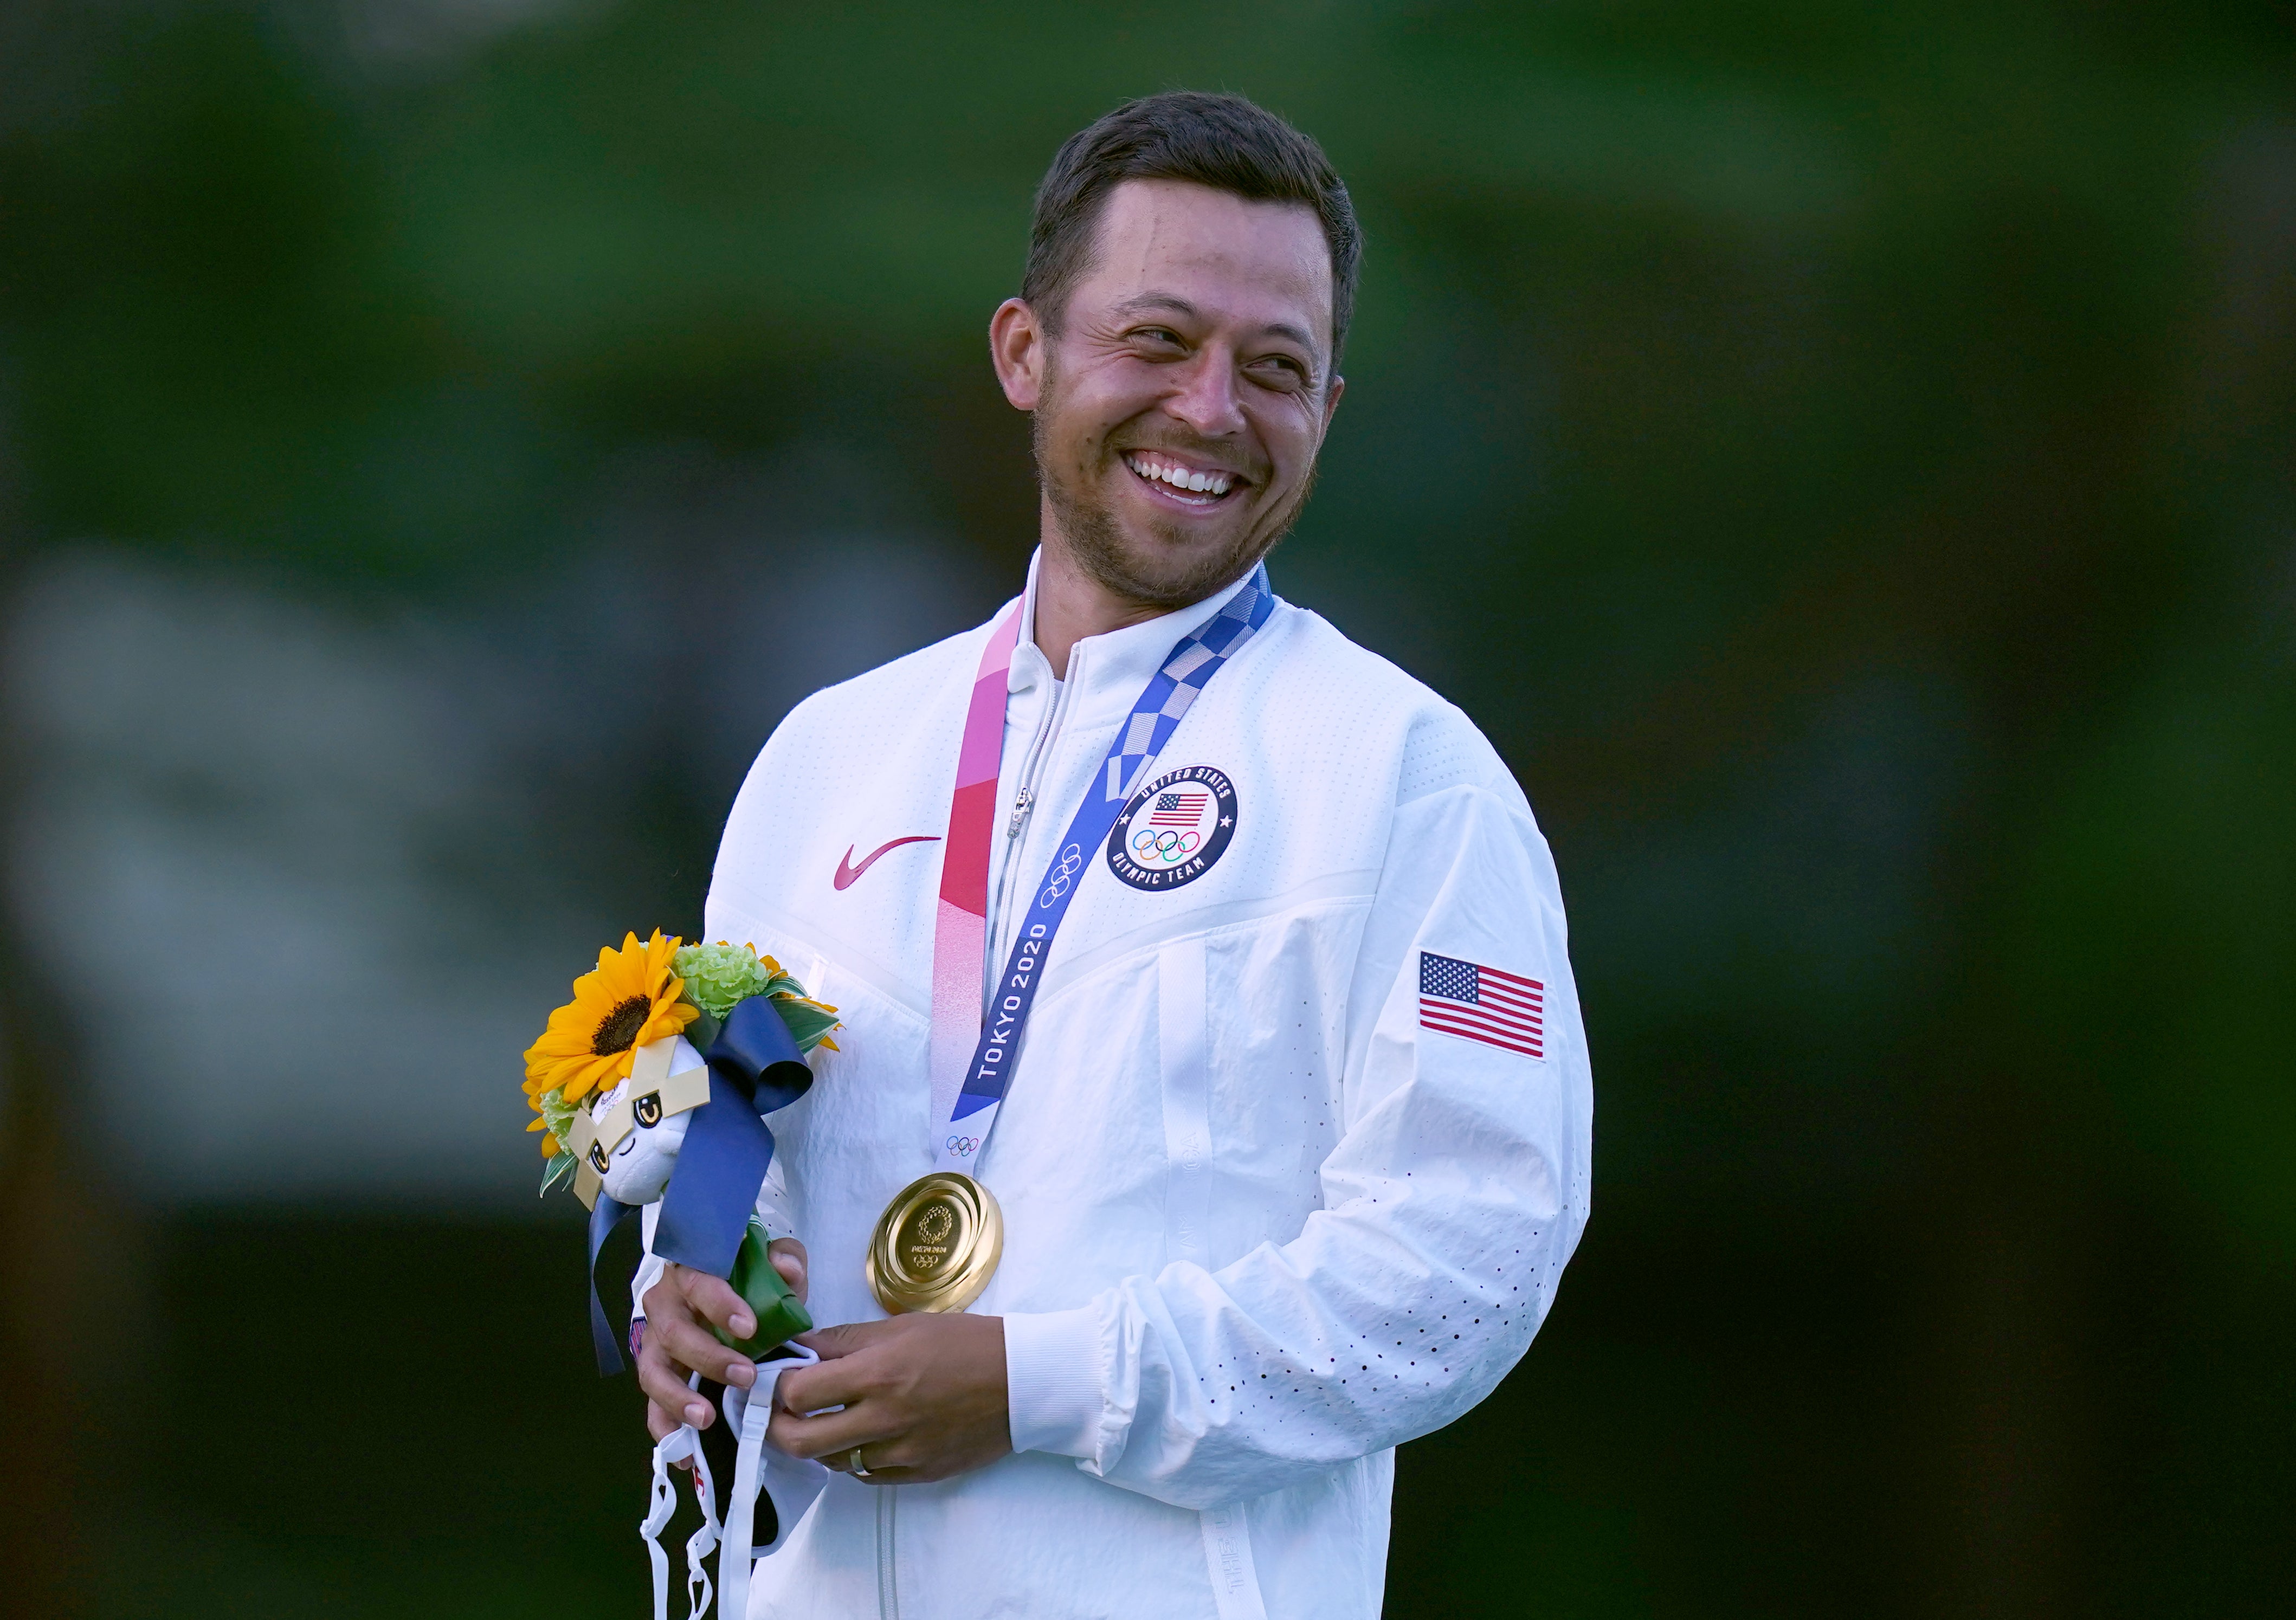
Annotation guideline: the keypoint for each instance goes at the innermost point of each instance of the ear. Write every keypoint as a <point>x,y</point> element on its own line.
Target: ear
<point>1016,348</point>
<point>1332,401</point>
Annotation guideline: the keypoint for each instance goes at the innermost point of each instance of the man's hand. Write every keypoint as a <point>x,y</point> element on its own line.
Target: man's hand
<point>678,1312</point>
<point>925,1394</point>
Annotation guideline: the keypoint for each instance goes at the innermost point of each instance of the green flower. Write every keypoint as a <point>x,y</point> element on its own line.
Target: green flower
<point>558,1118</point>
<point>719,977</point>
<point>557,1113</point>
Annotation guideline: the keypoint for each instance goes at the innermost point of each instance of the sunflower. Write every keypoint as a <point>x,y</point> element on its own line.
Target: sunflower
<point>631,1000</point>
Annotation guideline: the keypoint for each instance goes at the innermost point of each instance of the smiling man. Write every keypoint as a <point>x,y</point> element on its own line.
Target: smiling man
<point>1213,1112</point>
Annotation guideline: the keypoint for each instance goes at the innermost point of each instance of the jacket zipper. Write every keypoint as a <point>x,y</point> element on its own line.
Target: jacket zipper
<point>889,1591</point>
<point>1024,802</point>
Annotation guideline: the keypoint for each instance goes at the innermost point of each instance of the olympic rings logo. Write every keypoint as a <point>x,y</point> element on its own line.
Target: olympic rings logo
<point>1071,863</point>
<point>964,1147</point>
<point>1165,844</point>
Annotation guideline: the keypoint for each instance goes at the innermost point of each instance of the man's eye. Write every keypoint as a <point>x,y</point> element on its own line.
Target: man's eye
<point>1280,371</point>
<point>1158,337</point>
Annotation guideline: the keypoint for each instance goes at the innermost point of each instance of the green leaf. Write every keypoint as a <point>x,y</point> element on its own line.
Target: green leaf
<point>807,1025</point>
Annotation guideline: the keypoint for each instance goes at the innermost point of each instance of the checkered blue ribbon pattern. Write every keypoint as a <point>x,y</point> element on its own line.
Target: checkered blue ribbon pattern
<point>1179,682</point>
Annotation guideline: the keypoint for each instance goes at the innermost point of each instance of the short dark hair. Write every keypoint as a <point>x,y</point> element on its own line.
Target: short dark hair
<point>1224,142</point>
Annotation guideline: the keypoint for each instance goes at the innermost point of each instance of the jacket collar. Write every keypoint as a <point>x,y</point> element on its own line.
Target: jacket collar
<point>1113,667</point>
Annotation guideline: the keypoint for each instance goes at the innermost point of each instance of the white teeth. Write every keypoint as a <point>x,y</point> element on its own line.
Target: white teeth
<point>1195,483</point>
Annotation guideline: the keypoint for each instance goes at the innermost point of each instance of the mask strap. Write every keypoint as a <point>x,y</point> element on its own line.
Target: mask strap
<point>789,1483</point>
<point>703,1542</point>
<point>678,1448</point>
<point>661,1504</point>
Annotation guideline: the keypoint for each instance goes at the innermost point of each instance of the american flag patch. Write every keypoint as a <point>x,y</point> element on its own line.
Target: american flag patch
<point>1177,809</point>
<point>1479,1004</point>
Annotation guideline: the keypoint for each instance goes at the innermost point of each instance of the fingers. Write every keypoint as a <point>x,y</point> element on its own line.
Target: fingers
<point>712,1297</point>
<point>888,1462</point>
<point>924,1397</point>
<point>901,1458</point>
<point>789,1260</point>
<point>832,1343</point>
<point>831,1382</point>
<point>662,1426</point>
<point>841,1381</point>
<point>688,1346</point>
<point>676,1343</point>
<point>844,1401</point>
<point>674,1329</point>
<point>663,1385</point>
<point>844,1376</point>
<point>826,1408</point>
<point>830,1436</point>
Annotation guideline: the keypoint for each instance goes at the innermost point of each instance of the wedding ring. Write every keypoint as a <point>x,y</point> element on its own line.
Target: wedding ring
<point>853,1464</point>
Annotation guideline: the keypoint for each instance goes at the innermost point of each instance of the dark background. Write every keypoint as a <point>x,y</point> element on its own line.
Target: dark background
<point>1843,456</point>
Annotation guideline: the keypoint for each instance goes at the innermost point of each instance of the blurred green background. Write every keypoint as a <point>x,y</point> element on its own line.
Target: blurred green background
<point>1844,457</point>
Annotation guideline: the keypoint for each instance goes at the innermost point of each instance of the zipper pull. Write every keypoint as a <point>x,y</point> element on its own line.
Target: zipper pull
<point>1021,804</point>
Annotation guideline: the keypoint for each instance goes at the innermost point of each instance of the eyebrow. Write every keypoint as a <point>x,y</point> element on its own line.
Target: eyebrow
<point>1178,305</point>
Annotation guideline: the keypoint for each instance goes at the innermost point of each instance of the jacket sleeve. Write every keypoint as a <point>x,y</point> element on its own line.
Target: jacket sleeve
<point>1454,1197</point>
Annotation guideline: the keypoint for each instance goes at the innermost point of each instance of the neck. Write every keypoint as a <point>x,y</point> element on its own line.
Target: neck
<point>1071,605</point>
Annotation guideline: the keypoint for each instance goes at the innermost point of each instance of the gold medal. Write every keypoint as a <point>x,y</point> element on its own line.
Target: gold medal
<point>936,1245</point>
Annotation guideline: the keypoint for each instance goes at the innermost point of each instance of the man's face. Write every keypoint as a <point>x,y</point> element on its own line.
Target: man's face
<point>1184,399</point>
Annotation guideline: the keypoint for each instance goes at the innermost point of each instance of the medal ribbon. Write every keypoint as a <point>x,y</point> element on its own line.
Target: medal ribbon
<point>961,915</point>
<point>978,1088</point>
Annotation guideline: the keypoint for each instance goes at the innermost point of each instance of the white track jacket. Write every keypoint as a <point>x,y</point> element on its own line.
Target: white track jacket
<point>1271,1205</point>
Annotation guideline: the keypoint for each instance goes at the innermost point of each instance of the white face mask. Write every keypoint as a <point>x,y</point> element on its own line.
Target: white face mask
<point>790,1483</point>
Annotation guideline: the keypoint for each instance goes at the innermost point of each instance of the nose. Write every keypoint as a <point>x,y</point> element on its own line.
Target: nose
<point>1208,399</point>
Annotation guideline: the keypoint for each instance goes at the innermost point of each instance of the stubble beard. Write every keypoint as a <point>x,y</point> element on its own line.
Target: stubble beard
<point>1124,567</point>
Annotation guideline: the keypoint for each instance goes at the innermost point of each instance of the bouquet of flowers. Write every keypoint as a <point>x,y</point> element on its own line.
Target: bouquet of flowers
<point>619,1077</point>
<point>634,1014</point>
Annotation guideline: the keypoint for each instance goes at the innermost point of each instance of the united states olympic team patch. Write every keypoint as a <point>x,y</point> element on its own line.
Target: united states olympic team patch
<point>1174,829</point>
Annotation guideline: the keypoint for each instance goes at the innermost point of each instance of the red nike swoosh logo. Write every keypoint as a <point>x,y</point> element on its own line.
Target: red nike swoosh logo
<point>847,873</point>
